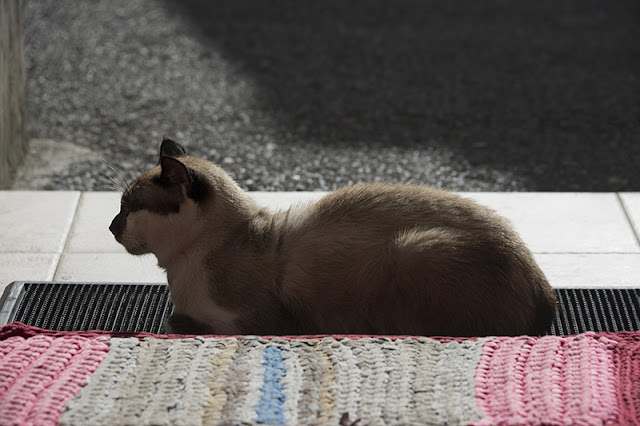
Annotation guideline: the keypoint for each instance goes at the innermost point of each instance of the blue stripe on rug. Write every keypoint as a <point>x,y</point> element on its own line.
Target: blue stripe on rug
<point>269,409</point>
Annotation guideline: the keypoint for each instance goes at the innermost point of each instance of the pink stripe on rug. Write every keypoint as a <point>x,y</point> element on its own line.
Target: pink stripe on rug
<point>8,346</point>
<point>20,353</point>
<point>627,361</point>
<point>552,380</point>
<point>40,374</point>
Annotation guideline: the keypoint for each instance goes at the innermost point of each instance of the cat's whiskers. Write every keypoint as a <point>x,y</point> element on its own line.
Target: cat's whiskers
<point>111,183</point>
<point>122,183</point>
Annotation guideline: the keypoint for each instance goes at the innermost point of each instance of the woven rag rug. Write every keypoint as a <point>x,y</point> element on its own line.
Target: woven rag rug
<point>87,378</point>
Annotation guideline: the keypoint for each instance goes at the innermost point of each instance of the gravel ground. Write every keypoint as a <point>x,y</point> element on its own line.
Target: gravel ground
<point>296,95</point>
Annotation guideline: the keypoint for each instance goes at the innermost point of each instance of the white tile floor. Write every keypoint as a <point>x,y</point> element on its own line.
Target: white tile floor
<point>579,239</point>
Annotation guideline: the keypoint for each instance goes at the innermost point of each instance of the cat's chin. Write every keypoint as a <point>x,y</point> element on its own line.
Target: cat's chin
<point>135,249</point>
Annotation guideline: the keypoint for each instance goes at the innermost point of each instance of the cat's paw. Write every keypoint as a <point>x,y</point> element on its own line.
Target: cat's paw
<point>184,324</point>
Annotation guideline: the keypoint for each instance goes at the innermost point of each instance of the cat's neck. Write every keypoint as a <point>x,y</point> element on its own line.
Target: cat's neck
<point>186,270</point>
<point>207,227</point>
<point>234,225</point>
<point>238,256</point>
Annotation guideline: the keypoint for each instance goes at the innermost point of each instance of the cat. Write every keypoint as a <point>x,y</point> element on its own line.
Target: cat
<point>377,258</point>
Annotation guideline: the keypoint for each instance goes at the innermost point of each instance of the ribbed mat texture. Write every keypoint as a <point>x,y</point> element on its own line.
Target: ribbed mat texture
<point>87,378</point>
<point>145,307</point>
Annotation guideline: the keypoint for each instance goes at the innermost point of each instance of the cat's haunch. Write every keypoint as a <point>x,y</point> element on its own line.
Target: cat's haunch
<point>365,259</point>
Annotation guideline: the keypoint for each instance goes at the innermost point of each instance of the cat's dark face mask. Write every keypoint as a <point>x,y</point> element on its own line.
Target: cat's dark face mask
<point>157,191</point>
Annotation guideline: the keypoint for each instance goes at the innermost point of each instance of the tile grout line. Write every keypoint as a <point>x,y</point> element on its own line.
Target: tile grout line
<point>629,221</point>
<point>68,236</point>
<point>57,258</point>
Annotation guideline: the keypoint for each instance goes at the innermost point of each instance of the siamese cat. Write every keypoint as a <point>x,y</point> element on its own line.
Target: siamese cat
<point>380,259</point>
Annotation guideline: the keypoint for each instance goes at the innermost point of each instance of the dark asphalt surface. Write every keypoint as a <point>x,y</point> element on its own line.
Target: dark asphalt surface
<point>297,95</point>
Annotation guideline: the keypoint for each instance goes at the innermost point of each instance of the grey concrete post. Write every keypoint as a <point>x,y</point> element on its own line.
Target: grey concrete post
<point>13,96</point>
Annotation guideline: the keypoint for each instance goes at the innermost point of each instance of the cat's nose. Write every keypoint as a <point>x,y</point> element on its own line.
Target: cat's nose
<point>116,226</point>
<point>112,227</point>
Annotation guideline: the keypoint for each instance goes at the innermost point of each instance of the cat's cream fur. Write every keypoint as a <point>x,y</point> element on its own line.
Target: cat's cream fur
<point>368,259</point>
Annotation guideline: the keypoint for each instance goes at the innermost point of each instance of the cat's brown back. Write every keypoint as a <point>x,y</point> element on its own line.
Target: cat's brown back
<point>404,259</point>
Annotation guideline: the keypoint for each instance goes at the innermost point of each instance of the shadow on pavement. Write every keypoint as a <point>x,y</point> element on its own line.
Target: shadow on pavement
<point>545,90</point>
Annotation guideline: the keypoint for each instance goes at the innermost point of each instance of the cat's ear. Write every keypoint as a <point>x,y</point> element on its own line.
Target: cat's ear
<point>174,172</point>
<point>170,148</point>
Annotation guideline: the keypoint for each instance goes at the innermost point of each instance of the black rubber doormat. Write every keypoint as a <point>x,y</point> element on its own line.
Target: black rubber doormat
<point>87,306</point>
<point>145,307</point>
